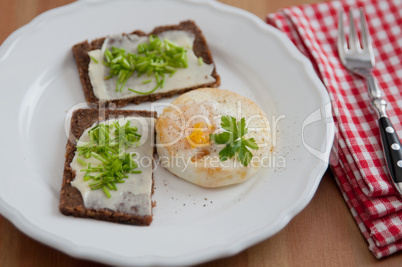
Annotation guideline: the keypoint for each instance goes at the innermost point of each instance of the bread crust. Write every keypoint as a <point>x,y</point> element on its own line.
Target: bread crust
<point>200,48</point>
<point>71,202</point>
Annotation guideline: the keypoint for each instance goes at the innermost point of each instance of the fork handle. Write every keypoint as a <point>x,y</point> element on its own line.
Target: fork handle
<point>391,145</point>
<point>373,88</point>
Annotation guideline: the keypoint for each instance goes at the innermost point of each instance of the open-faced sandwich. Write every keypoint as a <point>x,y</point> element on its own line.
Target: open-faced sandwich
<point>137,67</point>
<point>108,171</point>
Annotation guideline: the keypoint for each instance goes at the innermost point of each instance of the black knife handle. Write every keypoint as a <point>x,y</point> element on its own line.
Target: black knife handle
<point>390,144</point>
<point>392,149</point>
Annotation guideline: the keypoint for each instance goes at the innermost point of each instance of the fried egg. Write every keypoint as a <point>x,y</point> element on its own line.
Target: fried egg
<point>183,138</point>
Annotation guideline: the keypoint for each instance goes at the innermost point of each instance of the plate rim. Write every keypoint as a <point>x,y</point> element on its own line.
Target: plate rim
<point>66,246</point>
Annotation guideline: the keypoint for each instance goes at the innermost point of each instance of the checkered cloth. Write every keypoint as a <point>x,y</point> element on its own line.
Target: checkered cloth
<point>357,159</point>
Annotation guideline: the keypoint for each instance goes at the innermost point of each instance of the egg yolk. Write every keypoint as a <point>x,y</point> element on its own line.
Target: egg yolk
<point>200,135</point>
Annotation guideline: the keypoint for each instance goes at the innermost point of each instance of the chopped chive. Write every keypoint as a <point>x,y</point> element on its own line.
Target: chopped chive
<point>80,161</point>
<point>146,81</point>
<point>98,157</point>
<point>143,93</point>
<point>125,63</point>
<point>170,69</point>
<point>124,83</point>
<point>200,61</point>
<point>94,60</point>
<point>108,55</point>
<point>155,56</point>
<point>110,186</point>
<point>172,73</point>
<point>96,183</point>
<point>163,82</point>
<point>115,163</point>
<point>87,170</point>
<point>114,186</point>
<point>96,187</point>
<point>134,164</point>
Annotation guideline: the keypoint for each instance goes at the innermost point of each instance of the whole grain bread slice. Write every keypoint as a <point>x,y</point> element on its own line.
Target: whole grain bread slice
<point>71,202</point>
<point>200,48</point>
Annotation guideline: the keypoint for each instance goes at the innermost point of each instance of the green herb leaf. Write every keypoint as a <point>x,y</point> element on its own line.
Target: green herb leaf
<point>236,144</point>
<point>241,127</point>
<point>222,138</point>
<point>244,155</point>
<point>251,143</point>
<point>226,153</point>
<point>229,124</point>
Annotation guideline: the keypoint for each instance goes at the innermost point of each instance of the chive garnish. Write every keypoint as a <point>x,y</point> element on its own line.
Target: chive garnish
<point>200,61</point>
<point>144,93</point>
<point>82,162</point>
<point>94,60</point>
<point>115,164</point>
<point>106,191</point>
<point>155,56</point>
<point>99,157</point>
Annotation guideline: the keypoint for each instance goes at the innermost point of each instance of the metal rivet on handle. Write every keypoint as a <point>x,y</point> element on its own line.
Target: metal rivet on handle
<point>389,129</point>
<point>395,146</point>
<point>399,163</point>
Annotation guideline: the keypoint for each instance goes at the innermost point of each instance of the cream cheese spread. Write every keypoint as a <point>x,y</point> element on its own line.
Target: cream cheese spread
<point>195,74</point>
<point>134,195</point>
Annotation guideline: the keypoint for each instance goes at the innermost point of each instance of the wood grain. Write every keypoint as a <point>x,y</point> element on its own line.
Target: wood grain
<point>323,234</point>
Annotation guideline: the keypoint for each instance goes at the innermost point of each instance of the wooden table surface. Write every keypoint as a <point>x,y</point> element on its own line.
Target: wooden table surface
<point>323,234</point>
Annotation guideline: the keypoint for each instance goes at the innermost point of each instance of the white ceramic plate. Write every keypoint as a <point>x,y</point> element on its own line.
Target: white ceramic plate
<point>40,86</point>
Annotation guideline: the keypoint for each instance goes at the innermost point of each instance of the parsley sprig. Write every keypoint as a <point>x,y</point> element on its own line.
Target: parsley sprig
<point>115,163</point>
<point>158,57</point>
<point>233,137</point>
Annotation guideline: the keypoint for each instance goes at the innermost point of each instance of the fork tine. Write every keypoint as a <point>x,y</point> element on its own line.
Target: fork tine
<point>341,41</point>
<point>354,44</point>
<point>366,44</point>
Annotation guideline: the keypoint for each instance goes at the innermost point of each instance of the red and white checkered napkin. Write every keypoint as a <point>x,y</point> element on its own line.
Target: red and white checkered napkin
<point>357,159</point>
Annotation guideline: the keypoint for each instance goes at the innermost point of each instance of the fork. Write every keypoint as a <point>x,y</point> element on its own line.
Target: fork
<point>359,59</point>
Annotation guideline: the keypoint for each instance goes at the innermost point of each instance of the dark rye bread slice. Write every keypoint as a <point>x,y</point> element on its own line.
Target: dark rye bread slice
<point>71,202</point>
<point>200,49</point>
